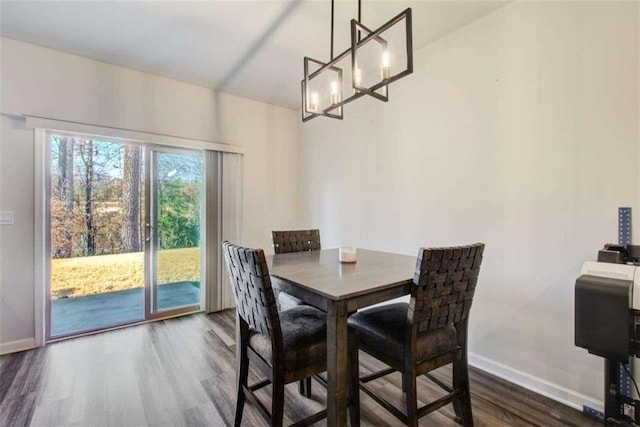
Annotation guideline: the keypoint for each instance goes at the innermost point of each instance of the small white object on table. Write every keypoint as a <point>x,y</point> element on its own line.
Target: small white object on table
<point>348,254</point>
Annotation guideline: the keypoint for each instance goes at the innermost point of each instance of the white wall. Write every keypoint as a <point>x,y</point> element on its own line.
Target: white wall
<point>47,83</point>
<point>520,130</point>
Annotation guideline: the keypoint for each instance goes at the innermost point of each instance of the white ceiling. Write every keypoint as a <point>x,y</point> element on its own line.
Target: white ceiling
<point>252,49</point>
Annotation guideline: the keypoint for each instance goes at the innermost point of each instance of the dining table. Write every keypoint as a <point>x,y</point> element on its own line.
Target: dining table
<point>321,280</point>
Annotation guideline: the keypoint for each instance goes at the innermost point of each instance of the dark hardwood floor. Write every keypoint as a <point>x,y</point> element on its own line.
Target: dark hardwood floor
<point>181,372</point>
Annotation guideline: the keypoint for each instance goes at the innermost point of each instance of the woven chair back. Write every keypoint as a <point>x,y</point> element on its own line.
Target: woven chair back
<point>443,285</point>
<point>296,241</point>
<point>249,276</point>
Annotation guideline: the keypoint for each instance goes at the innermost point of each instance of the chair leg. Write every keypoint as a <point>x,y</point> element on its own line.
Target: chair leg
<point>409,385</point>
<point>243,371</point>
<point>457,409</point>
<point>412,398</point>
<point>277,402</point>
<point>462,406</point>
<point>304,387</point>
<point>354,385</point>
<point>242,361</point>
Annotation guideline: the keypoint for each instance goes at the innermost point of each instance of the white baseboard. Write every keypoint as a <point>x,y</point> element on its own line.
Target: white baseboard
<point>18,345</point>
<point>546,388</point>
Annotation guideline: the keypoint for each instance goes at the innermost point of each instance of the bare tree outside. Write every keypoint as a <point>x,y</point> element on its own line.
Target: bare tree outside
<point>131,199</point>
<point>63,147</point>
<point>87,157</point>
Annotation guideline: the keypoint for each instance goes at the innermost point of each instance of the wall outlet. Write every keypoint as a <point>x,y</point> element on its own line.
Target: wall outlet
<point>6,218</point>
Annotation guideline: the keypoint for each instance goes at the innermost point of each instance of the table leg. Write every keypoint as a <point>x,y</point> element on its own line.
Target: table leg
<point>337,359</point>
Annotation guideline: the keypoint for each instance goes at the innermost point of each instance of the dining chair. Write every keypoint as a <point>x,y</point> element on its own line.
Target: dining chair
<point>286,242</point>
<point>427,333</point>
<point>285,346</point>
<point>293,241</point>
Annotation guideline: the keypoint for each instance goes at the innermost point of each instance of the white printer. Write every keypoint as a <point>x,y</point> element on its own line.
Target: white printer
<point>607,297</point>
<point>607,324</point>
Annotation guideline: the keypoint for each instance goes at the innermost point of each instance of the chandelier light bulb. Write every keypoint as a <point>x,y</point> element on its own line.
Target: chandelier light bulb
<point>315,101</point>
<point>334,92</point>
<point>386,65</point>
<point>357,76</point>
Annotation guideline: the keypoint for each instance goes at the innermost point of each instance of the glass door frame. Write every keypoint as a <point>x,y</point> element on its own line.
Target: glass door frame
<point>46,161</point>
<point>43,160</point>
<point>151,247</point>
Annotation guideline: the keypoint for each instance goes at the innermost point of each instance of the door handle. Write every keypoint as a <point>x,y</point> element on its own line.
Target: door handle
<point>148,232</point>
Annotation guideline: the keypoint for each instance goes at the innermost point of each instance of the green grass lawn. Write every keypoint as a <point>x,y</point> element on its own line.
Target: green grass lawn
<point>107,273</point>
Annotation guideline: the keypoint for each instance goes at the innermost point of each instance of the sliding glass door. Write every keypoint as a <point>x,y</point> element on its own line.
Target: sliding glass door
<point>125,233</point>
<point>173,230</point>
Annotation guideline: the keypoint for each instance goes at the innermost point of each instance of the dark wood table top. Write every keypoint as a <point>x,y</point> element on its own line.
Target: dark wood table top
<point>322,273</point>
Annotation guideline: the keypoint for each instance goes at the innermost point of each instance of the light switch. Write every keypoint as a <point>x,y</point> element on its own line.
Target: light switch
<point>6,218</point>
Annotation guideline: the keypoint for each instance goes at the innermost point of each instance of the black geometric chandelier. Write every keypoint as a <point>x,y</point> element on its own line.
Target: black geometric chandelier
<point>375,59</point>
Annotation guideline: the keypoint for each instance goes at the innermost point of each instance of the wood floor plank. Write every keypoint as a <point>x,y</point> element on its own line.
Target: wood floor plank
<point>17,411</point>
<point>182,372</point>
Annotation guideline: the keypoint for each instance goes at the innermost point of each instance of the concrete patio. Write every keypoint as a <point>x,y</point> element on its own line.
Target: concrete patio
<point>77,314</point>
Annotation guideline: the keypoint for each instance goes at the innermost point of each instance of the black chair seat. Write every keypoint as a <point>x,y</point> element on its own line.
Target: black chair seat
<point>304,336</point>
<point>382,331</point>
